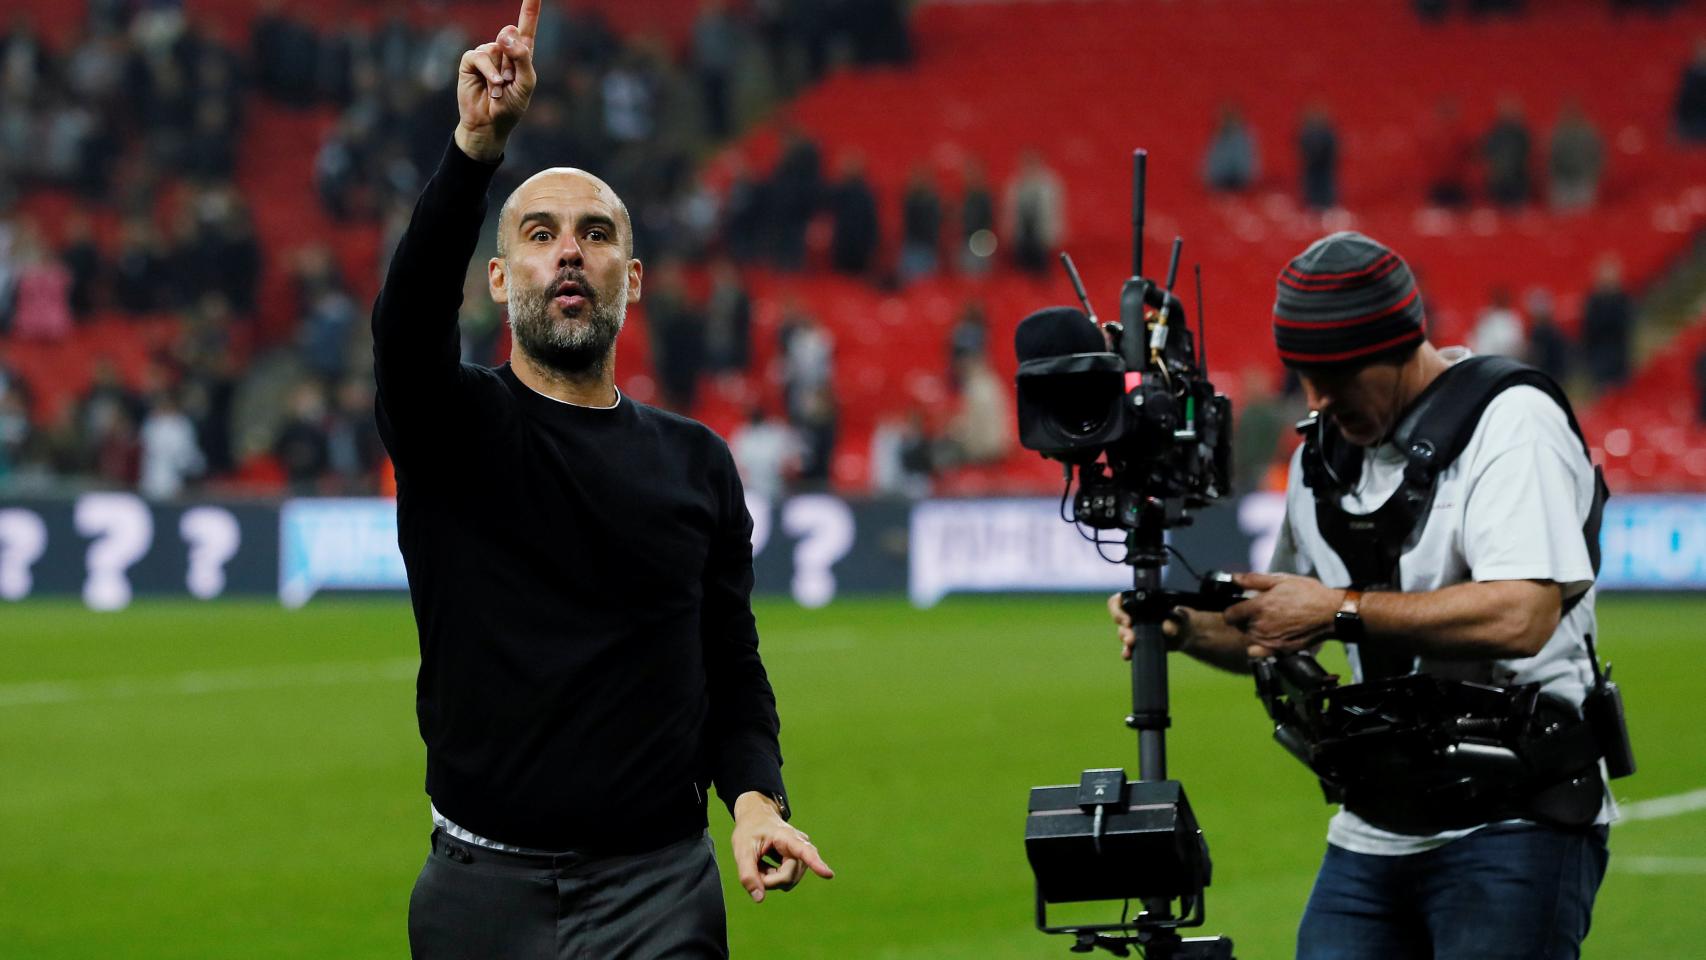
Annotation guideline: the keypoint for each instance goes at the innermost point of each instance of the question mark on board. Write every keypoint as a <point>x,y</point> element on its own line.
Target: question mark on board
<point>824,527</point>
<point>759,508</point>
<point>23,539</point>
<point>122,529</point>
<point>213,537</point>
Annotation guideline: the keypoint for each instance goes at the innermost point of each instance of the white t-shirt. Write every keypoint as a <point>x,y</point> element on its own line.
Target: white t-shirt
<point>1510,507</point>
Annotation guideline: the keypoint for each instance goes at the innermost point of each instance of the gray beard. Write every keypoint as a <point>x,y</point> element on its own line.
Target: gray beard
<point>573,348</point>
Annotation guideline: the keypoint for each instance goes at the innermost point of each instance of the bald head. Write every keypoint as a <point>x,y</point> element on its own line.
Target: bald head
<point>561,192</point>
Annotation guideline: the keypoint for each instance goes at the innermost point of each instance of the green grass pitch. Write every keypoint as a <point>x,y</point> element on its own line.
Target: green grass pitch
<point>233,780</point>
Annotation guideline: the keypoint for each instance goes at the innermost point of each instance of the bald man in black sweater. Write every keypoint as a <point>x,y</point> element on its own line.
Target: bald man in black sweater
<point>581,569</point>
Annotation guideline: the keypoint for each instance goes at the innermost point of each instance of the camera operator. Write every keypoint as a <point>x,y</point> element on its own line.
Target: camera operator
<point>581,570</point>
<point>1496,588</point>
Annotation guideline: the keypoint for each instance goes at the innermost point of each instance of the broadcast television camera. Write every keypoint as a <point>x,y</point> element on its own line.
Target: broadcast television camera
<point>1128,409</point>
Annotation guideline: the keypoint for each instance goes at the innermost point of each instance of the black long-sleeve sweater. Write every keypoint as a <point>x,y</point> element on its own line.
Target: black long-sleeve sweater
<point>581,580</point>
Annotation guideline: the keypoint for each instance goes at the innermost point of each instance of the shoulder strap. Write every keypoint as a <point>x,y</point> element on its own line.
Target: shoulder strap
<point>1439,424</point>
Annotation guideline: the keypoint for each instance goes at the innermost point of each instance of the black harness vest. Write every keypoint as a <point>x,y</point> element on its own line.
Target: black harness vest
<point>1432,433</point>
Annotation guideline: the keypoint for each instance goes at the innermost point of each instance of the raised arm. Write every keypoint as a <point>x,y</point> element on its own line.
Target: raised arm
<point>416,347</point>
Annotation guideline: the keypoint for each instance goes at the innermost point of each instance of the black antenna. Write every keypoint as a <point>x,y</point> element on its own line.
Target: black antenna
<point>1158,333</point>
<point>1140,160</point>
<point>1078,286</point>
<point>1202,330</point>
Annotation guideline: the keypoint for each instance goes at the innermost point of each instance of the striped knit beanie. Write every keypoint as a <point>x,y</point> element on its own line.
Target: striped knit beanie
<point>1347,301</point>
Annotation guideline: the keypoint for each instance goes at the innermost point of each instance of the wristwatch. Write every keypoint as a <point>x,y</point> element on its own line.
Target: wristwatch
<point>1347,623</point>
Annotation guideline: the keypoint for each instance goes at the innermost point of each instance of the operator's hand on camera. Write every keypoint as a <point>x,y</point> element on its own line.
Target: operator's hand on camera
<point>493,86</point>
<point>760,831</point>
<point>1288,612</point>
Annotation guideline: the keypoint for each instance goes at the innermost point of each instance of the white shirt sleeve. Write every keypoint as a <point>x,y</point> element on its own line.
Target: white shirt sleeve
<point>1286,557</point>
<point>1528,496</point>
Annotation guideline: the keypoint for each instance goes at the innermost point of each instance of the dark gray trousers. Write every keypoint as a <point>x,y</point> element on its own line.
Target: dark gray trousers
<point>472,903</point>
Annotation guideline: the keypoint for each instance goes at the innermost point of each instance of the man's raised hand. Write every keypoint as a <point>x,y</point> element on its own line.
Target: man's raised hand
<point>494,85</point>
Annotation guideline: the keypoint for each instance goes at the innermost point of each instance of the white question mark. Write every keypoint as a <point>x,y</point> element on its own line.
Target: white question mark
<point>213,537</point>
<point>824,527</point>
<point>760,510</point>
<point>23,538</point>
<point>123,530</point>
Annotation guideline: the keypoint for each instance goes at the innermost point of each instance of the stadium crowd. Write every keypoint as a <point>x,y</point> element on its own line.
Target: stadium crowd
<point>144,134</point>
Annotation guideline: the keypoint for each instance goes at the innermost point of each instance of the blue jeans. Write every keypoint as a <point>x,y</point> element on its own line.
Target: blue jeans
<point>1517,891</point>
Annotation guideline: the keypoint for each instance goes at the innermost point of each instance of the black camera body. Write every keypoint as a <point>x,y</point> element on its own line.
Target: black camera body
<point>1128,407</point>
<point>1144,407</point>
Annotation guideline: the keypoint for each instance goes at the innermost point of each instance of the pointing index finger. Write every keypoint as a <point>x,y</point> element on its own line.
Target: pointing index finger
<point>529,19</point>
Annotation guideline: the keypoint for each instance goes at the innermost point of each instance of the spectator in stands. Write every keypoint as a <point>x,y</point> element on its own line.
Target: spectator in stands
<point>977,220</point>
<point>808,358</point>
<point>83,258</point>
<point>337,169</point>
<point>1448,150</point>
<point>1548,346</point>
<point>235,252</point>
<point>327,315</point>
<point>42,309</point>
<point>1318,159</point>
<point>981,430</point>
<point>1574,160</point>
<point>1498,330</point>
<point>1232,163</point>
<point>106,399</point>
<point>817,424</point>
<point>1691,97</point>
<point>793,194</point>
<point>678,335</point>
<point>717,40</point>
<point>968,340</point>
<point>728,320</point>
<point>170,454</point>
<point>69,138</point>
<point>766,452</point>
<point>211,153</point>
<point>303,448</point>
<point>353,448</point>
<point>853,212</point>
<point>326,331</point>
<point>630,93</point>
<point>1036,212</point>
<point>901,456</point>
<point>1608,324</point>
<point>747,234</point>
<point>23,61</point>
<point>139,271</point>
<point>921,227</point>
<point>1506,152</point>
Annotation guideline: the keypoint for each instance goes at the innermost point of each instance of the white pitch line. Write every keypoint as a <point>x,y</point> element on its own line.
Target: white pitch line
<point>1660,807</point>
<point>1658,866</point>
<point>207,681</point>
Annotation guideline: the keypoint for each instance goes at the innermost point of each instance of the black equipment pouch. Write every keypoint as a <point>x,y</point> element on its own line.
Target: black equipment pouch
<point>1419,754</point>
<point>1603,709</point>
